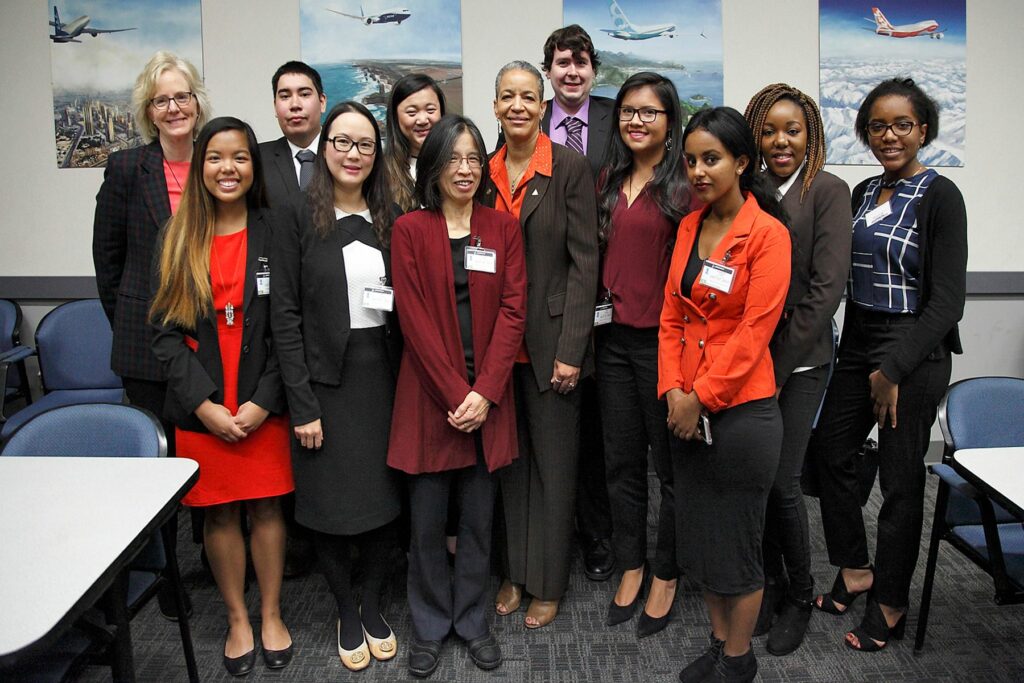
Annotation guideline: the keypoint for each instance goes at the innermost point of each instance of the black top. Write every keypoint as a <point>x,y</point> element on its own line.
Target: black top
<point>462,301</point>
<point>693,266</point>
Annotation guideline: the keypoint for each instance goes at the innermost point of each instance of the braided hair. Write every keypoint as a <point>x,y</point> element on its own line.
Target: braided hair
<point>757,112</point>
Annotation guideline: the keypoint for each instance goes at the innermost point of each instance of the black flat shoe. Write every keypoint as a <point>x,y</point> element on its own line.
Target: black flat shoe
<point>484,652</point>
<point>788,630</point>
<point>278,659</point>
<point>618,614</point>
<point>243,664</point>
<point>424,656</point>
<point>700,669</point>
<point>839,594</point>
<point>874,632</point>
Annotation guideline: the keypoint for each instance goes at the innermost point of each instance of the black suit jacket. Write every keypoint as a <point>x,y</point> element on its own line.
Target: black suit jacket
<point>309,302</point>
<point>559,219</point>
<point>131,208</point>
<point>194,376</point>
<point>279,171</point>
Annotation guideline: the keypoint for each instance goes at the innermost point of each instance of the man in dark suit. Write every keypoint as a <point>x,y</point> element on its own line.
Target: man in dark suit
<point>299,102</point>
<point>583,122</point>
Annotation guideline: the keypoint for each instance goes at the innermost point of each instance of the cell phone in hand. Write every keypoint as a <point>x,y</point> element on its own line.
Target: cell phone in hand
<point>704,429</point>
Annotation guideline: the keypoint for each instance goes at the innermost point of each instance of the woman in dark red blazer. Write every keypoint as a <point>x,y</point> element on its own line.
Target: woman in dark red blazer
<point>460,289</point>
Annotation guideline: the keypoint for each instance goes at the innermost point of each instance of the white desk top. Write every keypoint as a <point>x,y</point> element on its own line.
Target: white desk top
<point>63,522</point>
<point>1001,469</point>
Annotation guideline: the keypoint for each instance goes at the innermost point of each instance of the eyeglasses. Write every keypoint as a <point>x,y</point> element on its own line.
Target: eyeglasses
<point>876,129</point>
<point>474,161</point>
<point>365,147</point>
<point>647,114</point>
<point>181,99</point>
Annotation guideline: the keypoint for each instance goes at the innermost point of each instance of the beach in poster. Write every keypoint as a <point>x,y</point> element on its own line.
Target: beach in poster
<point>680,39</point>
<point>923,39</point>
<point>360,50</point>
<point>92,75</point>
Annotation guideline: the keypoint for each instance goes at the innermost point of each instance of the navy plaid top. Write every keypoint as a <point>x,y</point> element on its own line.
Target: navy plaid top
<point>886,261</point>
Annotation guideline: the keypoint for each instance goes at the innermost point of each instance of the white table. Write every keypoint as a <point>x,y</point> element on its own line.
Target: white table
<point>68,527</point>
<point>998,472</point>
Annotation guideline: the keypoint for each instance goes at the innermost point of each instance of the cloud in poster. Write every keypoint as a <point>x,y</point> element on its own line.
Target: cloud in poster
<point>432,32</point>
<point>113,61</point>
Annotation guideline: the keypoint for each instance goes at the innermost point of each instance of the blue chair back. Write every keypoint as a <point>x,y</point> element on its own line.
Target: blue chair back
<point>90,429</point>
<point>10,336</point>
<point>74,342</point>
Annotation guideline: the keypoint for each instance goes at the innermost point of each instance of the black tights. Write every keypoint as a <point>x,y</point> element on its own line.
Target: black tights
<point>334,553</point>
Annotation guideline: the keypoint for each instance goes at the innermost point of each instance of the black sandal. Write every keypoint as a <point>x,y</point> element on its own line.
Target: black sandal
<point>839,594</point>
<point>874,632</point>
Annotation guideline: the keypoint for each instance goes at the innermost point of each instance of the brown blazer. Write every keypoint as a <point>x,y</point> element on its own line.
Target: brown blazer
<point>559,220</point>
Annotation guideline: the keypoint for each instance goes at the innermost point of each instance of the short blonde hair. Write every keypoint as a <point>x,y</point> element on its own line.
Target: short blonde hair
<point>145,85</point>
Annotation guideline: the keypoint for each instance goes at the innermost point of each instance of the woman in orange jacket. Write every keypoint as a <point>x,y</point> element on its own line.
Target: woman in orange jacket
<point>726,287</point>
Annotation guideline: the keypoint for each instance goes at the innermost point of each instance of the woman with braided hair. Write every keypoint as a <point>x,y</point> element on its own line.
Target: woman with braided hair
<point>790,140</point>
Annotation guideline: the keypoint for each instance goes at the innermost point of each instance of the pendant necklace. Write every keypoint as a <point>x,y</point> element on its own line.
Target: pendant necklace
<point>229,308</point>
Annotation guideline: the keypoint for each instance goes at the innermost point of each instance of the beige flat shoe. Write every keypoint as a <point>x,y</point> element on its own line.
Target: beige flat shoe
<point>354,660</point>
<point>382,649</point>
<point>509,597</point>
<point>543,612</point>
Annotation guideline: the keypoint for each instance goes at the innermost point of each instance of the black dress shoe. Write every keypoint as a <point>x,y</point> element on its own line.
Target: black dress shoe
<point>598,558</point>
<point>484,652</point>
<point>241,665</point>
<point>278,659</point>
<point>617,613</point>
<point>788,630</point>
<point>168,605</point>
<point>424,656</point>
<point>701,668</point>
<point>647,625</point>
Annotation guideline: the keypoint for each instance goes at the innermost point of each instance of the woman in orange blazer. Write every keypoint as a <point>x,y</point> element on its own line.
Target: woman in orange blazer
<point>726,287</point>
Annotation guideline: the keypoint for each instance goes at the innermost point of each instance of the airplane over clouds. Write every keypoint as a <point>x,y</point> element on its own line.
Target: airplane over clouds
<point>626,30</point>
<point>391,16</point>
<point>69,32</point>
<point>928,27</point>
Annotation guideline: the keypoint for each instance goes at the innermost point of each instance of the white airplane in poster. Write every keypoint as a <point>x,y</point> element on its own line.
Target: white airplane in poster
<point>391,16</point>
<point>928,27</point>
<point>69,32</point>
<point>627,30</point>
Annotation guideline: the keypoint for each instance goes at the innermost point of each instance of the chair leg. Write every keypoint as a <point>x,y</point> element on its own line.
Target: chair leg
<point>938,531</point>
<point>122,666</point>
<point>170,545</point>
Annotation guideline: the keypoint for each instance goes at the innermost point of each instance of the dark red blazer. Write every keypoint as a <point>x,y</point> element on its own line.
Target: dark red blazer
<point>433,379</point>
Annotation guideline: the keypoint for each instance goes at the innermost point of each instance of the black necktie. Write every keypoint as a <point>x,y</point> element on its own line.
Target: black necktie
<point>306,159</point>
<point>573,133</point>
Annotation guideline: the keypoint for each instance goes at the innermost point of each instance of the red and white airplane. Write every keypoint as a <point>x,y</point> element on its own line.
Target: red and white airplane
<point>928,27</point>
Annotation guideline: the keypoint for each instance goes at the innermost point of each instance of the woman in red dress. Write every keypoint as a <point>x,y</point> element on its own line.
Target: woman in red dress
<point>211,313</point>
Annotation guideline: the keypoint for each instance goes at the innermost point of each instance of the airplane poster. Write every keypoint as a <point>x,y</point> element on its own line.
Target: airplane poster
<point>361,47</point>
<point>863,43</point>
<point>97,49</point>
<point>680,39</point>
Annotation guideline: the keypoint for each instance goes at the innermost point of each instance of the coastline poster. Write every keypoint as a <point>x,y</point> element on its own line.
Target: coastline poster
<point>680,39</point>
<point>863,44</point>
<point>97,49</point>
<point>360,50</point>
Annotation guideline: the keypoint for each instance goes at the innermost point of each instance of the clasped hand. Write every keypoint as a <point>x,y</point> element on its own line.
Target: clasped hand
<point>219,421</point>
<point>471,413</point>
<point>683,413</point>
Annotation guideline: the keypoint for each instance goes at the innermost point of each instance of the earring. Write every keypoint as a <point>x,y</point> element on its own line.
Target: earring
<point>668,144</point>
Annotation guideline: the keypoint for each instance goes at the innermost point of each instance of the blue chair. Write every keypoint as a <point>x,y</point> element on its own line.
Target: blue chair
<point>73,342</point>
<point>13,373</point>
<point>112,430</point>
<point>983,412</point>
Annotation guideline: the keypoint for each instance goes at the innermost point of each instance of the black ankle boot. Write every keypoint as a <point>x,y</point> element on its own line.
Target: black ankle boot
<point>788,630</point>
<point>771,602</point>
<point>699,669</point>
<point>740,669</point>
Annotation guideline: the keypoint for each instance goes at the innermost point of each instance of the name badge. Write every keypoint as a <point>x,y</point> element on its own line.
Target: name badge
<point>263,283</point>
<point>602,314</point>
<point>878,213</point>
<point>482,260</point>
<point>379,298</point>
<point>717,276</point>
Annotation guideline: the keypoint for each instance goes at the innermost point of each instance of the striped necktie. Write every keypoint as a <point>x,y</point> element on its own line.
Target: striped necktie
<point>573,133</point>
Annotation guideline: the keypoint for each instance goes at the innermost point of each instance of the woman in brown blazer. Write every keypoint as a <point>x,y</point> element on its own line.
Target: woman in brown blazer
<point>548,188</point>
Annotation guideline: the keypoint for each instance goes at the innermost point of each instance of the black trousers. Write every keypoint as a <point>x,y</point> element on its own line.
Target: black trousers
<point>593,514</point>
<point>846,420</point>
<point>634,420</point>
<point>439,599</point>
<point>786,534</point>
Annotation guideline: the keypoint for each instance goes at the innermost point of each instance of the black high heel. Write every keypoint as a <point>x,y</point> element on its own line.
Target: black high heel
<point>840,594</point>
<point>618,614</point>
<point>647,625</point>
<point>873,627</point>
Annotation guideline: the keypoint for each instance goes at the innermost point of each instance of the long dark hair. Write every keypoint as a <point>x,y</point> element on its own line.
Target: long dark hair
<point>398,149</point>
<point>437,152</point>
<point>668,187</point>
<point>731,129</point>
<point>375,188</point>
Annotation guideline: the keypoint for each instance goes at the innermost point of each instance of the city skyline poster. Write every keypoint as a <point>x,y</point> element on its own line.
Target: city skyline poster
<point>97,49</point>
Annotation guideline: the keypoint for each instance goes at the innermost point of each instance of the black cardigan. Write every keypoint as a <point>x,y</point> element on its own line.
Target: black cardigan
<point>942,226</point>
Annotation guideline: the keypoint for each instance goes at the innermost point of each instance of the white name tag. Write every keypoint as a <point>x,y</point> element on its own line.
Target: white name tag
<point>263,283</point>
<point>602,314</point>
<point>878,213</point>
<point>480,259</point>
<point>379,298</point>
<point>717,276</point>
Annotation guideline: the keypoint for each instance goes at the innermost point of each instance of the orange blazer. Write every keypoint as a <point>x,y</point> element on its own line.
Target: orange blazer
<point>716,343</point>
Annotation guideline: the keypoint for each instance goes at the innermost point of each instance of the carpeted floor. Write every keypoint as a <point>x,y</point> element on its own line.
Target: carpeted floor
<point>969,637</point>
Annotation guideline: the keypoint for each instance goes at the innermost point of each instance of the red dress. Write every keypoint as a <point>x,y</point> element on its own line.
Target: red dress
<point>258,466</point>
